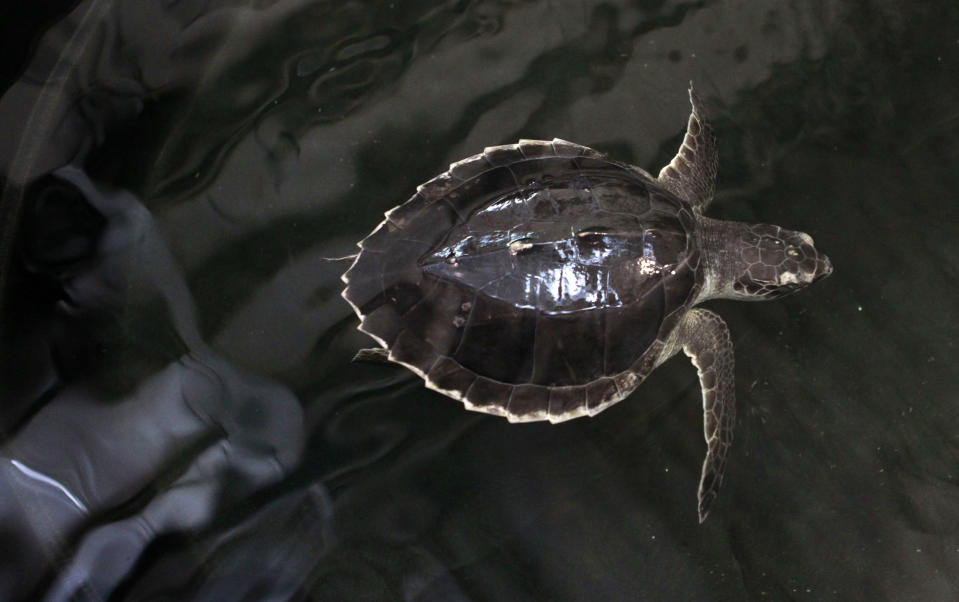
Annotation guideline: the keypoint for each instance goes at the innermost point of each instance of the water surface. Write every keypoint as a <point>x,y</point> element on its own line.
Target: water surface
<point>180,418</point>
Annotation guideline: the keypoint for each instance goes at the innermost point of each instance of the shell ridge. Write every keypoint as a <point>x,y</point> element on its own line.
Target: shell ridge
<point>512,173</point>
<point>455,209</point>
<point>426,295</point>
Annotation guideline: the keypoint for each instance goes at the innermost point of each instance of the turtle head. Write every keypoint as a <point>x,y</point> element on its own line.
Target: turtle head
<point>774,262</point>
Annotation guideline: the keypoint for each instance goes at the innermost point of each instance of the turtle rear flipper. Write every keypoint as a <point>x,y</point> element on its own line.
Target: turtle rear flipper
<point>691,175</point>
<point>704,337</point>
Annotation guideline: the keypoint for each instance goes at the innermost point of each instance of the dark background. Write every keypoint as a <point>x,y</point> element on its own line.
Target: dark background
<point>20,29</point>
<point>265,137</point>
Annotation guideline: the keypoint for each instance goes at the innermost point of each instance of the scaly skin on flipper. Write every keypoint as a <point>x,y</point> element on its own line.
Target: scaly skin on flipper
<point>702,334</point>
<point>691,175</point>
<point>705,338</point>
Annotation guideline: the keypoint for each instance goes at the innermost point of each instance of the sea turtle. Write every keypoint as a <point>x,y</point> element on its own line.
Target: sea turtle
<point>545,281</point>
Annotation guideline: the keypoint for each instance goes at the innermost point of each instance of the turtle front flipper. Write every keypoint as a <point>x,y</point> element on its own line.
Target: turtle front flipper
<point>691,175</point>
<point>705,339</point>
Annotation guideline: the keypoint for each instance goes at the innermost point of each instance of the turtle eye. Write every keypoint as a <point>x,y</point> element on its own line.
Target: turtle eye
<point>792,252</point>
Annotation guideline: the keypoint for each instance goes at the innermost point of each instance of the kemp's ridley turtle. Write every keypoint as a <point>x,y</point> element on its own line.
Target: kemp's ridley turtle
<point>544,281</point>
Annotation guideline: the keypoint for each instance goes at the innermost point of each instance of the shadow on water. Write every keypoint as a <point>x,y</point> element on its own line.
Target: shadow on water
<point>179,415</point>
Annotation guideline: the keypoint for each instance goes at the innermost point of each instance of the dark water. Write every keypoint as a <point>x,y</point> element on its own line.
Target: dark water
<point>180,418</point>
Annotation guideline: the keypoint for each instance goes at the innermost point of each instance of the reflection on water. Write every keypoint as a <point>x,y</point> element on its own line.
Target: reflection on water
<point>167,448</point>
<point>179,416</point>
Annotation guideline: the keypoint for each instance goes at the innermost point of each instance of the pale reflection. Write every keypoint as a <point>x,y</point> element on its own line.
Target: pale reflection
<point>189,436</point>
<point>533,252</point>
<point>45,480</point>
